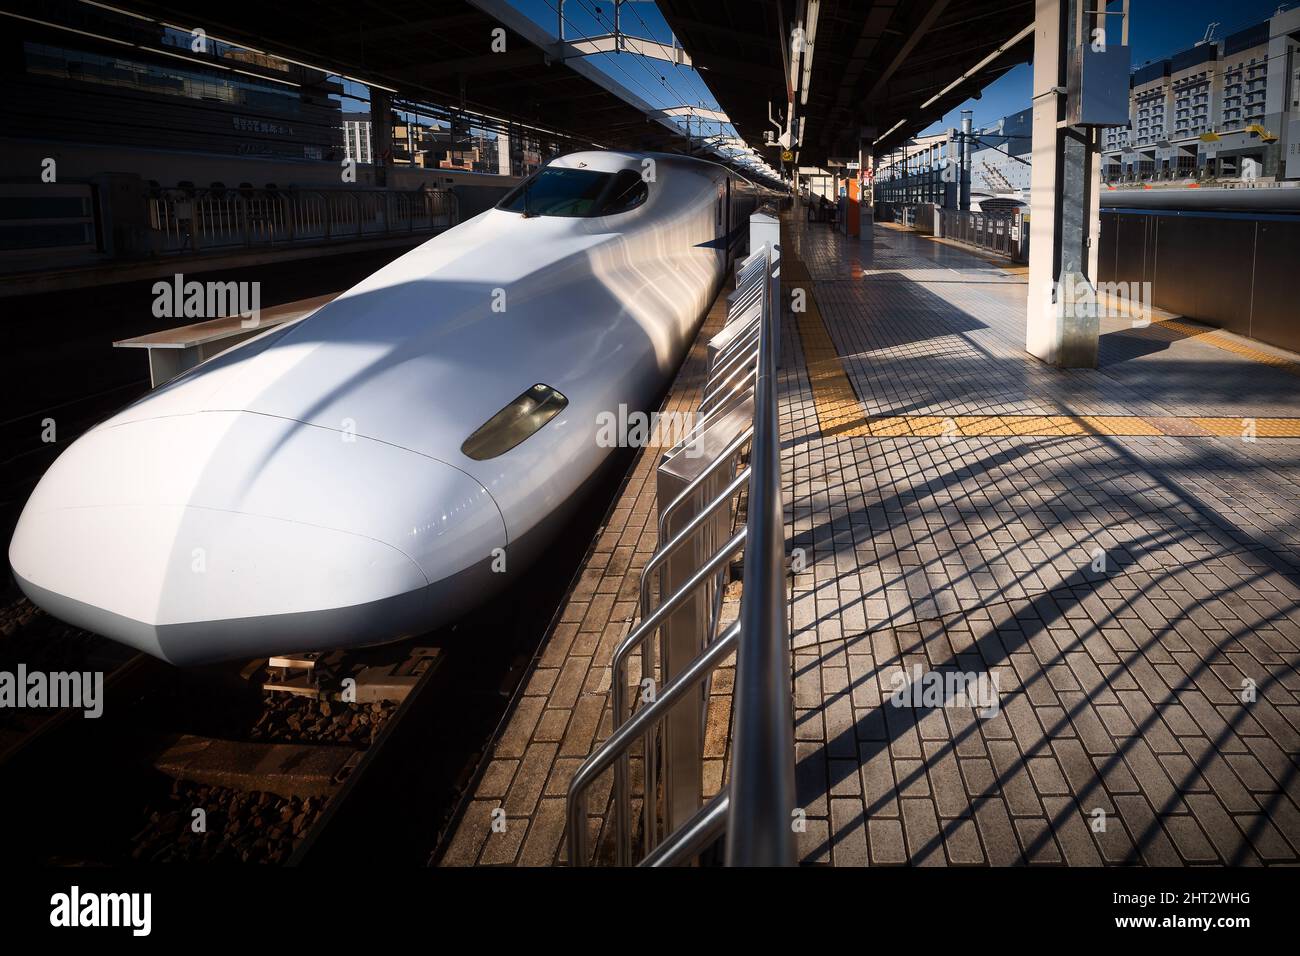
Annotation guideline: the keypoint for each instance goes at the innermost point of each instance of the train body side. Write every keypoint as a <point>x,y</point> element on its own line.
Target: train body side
<point>308,488</point>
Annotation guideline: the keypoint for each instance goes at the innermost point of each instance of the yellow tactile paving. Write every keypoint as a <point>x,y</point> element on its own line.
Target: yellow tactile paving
<point>1043,426</point>
<point>838,408</point>
<point>1172,329</point>
<point>1228,344</point>
<point>1122,425</point>
<point>1240,427</point>
<point>840,413</point>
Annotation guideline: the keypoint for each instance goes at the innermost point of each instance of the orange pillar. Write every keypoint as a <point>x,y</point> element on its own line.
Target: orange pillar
<point>853,218</point>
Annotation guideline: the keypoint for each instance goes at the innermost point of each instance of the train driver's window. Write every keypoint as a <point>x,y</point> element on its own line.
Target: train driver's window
<point>628,191</point>
<point>577,193</point>
<point>556,191</point>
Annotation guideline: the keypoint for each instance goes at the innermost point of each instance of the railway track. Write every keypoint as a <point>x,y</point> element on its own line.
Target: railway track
<point>199,766</point>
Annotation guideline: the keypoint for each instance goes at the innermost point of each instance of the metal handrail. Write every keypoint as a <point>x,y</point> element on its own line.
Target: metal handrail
<point>734,351</point>
<point>741,360</point>
<point>643,630</point>
<point>759,831</point>
<point>625,736</point>
<point>732,447</point>
<point>735,380</point>
<point>763,723</point>
<point>668,550</point>
<point>694,835</point>
<point>745,300</point>
<point>624,650</point>
<point>743,346</point>
<point>733,396</point>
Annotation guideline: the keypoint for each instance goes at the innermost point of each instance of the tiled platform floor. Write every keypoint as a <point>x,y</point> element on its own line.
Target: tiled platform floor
<point>975,552</point>
<point>1103,541</point>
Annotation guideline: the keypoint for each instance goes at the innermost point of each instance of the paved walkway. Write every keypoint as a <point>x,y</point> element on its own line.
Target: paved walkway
<point>1104,547</point>
<point>1103,541</point>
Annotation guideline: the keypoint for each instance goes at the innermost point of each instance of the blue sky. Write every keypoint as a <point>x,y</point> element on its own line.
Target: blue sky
<point>659,83</point>
<point>655,81</point>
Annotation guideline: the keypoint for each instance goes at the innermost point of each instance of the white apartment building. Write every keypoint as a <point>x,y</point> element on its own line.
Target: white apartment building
<point>356,137</point>
<point>1223,109</point>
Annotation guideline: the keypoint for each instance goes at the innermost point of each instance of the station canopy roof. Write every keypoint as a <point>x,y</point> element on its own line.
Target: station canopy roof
<point>894,66</point>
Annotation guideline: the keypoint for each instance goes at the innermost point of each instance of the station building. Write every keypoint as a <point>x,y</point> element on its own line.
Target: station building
<point>926,169</point>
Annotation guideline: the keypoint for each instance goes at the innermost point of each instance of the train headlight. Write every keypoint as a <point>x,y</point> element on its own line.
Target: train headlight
<point>508,427</point>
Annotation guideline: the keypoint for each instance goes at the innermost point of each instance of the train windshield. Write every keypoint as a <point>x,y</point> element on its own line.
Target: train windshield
<point>576,193</point>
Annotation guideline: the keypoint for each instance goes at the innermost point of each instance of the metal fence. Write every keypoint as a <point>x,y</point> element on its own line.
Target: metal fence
<point>1003,232</point>
<point>996,232</point>
<point>697,542</point>
<point>913,215</point>
<point>195,220</point>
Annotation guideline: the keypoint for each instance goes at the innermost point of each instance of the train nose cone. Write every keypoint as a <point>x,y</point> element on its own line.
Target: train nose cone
<point>220,535</point>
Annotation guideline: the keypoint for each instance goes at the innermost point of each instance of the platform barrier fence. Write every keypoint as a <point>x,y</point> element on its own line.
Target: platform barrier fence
<point>680,640</point>
<point>1003,233</point>
<point>186,220</point>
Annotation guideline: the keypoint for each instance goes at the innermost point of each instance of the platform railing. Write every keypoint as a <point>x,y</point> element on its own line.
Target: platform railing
<point>185,219</point>
<point>998,232</point>
<point>697,543</point>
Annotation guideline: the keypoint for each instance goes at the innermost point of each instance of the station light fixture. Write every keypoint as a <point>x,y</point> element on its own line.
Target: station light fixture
<point>810,37</point>
<point>977,67</point>
<point>888,132</point>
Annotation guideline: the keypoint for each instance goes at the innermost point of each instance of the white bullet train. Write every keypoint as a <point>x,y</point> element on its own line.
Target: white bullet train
<point>365,473</point>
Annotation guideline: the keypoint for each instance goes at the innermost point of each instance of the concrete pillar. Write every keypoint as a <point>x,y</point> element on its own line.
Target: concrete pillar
<point>381,133</point>
<point>903,182</point>
<point>1065,187</point>
<point>866,185</point>
<point>966,132</point>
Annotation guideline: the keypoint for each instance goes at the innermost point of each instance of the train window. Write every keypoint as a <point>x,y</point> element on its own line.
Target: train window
<point>627,192</point>
<point>555,191</point>
<point>518,420</point>
<point>581,193</point>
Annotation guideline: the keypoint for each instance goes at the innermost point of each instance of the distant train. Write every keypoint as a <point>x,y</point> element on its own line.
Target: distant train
<point>365,473</point>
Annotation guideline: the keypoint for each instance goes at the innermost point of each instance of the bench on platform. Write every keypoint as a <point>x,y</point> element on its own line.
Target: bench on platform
<point>173,351</point>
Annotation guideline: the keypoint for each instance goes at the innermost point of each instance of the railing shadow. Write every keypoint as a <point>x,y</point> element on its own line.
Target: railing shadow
<point>1154,513</point>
